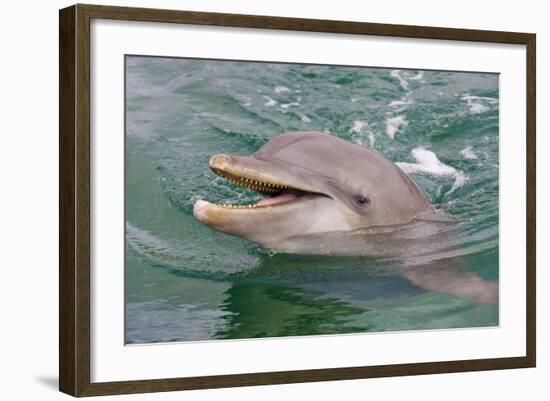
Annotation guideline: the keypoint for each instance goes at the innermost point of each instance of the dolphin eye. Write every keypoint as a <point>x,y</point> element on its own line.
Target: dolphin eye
<point>362,200</point>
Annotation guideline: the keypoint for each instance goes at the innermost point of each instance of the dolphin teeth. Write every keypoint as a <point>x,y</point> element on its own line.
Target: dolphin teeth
<point>229,206</point>
<point>263,187</point>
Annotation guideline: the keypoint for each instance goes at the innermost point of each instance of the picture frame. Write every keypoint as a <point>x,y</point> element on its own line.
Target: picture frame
<point>76,199</point>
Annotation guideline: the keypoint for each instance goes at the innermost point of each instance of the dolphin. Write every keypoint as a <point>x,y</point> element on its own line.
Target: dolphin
<point>315,186</point>
<point>324,195</point>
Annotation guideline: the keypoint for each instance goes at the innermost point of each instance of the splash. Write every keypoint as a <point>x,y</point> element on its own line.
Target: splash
<point>360,127</point>
<point>402,102</point>
<point>428,163</point>
<point>395,124</point>
<point>402,81</point>
<point>281,89</point>
<point>468,153</point>
<point>270,102</point>
<point>479,104</point>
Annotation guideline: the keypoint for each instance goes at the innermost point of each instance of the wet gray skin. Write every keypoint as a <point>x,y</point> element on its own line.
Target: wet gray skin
<point>329,185</point>
<point>325,195</point>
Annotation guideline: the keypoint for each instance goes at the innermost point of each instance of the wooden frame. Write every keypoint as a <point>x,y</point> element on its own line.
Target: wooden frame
<point>74,199</point>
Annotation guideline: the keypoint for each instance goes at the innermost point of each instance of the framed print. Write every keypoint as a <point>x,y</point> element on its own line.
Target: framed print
<point>251,200</point>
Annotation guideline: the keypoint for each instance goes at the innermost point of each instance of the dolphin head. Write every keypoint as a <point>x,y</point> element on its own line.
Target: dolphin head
<point>313,183</point>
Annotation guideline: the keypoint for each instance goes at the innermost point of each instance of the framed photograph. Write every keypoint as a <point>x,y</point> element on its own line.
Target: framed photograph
<point>250,200</point>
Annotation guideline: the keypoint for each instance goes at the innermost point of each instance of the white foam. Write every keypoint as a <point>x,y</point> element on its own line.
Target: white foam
<point>287,105</point>
<point>270,102</point>
<point>477,108</point>
<point>491,100</point>
<point>281,89</point>
<point>428,163</point>
<point>371,138</point>
<point>394,124</point>
<point>419,75</point>
<point>402,102</point>
<point>305,118</point>
<point>358,126</point>
<point>468,153</point>
<point>402,81</point>
<point>474,103</point>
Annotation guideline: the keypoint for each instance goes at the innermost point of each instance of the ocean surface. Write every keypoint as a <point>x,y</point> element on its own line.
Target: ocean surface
<point>185,281</point>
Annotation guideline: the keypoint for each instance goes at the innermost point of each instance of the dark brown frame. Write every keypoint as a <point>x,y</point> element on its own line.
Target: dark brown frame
<point>74,199</point>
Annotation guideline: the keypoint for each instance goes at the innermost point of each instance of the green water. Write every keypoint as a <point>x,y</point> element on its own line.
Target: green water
<point>184,281</point>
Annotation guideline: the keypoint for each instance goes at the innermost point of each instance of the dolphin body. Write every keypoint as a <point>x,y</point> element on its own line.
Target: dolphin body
<point>327,196</point>
<point>324,195</point>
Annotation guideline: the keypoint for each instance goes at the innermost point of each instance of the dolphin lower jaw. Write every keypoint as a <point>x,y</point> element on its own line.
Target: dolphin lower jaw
<point>265,225</point>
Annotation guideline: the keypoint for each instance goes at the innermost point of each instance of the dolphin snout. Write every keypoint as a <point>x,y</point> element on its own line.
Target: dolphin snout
<point>219,161</point>
<point>199,210</point>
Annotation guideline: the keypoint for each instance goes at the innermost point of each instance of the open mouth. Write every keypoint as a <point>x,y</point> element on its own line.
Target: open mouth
<point>274,193</point>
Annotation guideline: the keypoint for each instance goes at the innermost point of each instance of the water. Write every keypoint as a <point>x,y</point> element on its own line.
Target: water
<point>184,281</point>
